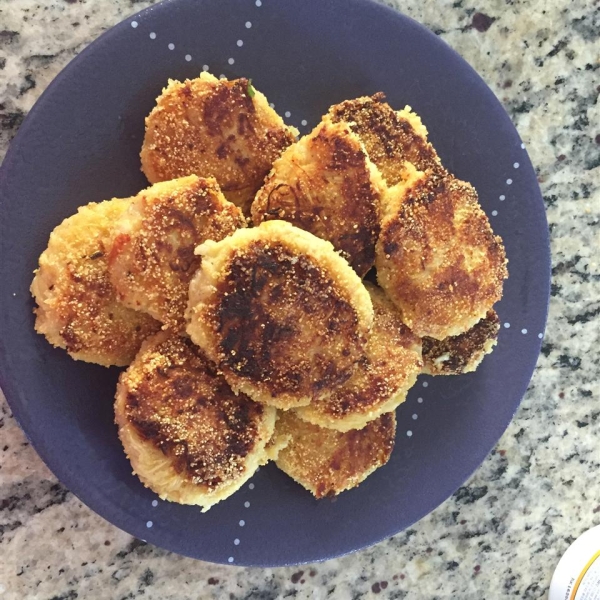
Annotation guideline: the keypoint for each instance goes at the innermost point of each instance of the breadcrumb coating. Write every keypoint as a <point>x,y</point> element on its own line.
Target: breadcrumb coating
<point>382,377</point>
<point>327,462</point>
<point>394,140</point>
<point>214,128</point>
<point>152,260</point>
<point>461,353</point>
<point>78,309</point>
<point>188,436</point>
<point>326,184</point>
<point>437,257</point>
<point>283,316</point>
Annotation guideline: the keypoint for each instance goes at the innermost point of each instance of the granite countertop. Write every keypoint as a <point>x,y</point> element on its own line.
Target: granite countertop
<point>502,534</point>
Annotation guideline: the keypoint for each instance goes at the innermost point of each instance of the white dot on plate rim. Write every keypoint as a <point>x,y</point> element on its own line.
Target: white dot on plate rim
<point>506,325</point>
<point>288,114</point>
<point>240,43</point>
<point>409,433</point>
<point>188,57</point>
<point>540,335</point>
<point>271,104</point>
<point>258,3</point>
<point>205,68</point>
<point>242,523</point>
<point>420,400</point>
<point>415,417</point>
<point>155,503</point>
<point>523,331</point>
<point>502,197</point>
<point>236,542</point>
<point>248,24</point>
<point>508,181</point>
<point>134,24</point>
<point>230,61</point>
<point>494,213</point>
<point>304,122</point>
<point>230,559</point>
<point>221,76</point>
<point>152,35</point>
<point>523,146</point>
<point>171,46</point>
<point>516,165</point>
<point>251,486</point>
<point>149,524</point>
<point>246,504</point>
<point>425,384</point>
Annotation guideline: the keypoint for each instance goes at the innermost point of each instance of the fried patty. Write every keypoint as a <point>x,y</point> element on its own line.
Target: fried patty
<point>78,309</point>
<point>461,353</point>
<point>188,436</point>
<point>327,462</point>
<point>437,257</point>
<point>382,378</point>
<point>214,128</point>
<point>391,138</point>
<point>326,184</point>
<point>152,260</point>
<point>283,316</point>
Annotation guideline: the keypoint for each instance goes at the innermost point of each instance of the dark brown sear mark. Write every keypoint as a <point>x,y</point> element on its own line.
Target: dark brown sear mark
<point>281,322</point>
<point>187,410</point>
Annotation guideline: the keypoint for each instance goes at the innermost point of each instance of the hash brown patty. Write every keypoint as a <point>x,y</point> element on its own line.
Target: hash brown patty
<point>214,128</point>
<point>77,306</point>
<point>282,315</point>
<point>188,436</point>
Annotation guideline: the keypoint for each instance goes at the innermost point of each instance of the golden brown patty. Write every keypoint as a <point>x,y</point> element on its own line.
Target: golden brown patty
<point>391,138</point>
<point>188,436</point>
<point>212,127</point>
<point>327,462</point>
<point>461,353</point>
<point>437,257</point>
<point>280,312</point>
<point>382,378</point>
<point>152,256</point>
<point>326,184</point>
<point>77,304</point>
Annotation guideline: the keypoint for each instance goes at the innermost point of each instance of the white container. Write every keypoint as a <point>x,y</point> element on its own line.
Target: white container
<point>577,576</point>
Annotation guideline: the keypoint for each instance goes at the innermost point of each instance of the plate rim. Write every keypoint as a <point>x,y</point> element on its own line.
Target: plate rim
<point>8,383</point>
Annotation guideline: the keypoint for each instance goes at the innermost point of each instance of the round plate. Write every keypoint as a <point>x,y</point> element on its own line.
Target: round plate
<point>81,143</point>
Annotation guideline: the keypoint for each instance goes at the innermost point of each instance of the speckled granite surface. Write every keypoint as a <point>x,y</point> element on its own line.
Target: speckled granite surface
<point>501,535</point>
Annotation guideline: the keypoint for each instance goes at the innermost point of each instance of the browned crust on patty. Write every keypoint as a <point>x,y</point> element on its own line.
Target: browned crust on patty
<point>327,462</point>
<point>152,260</point>
<point>461,353</point>
<point>283,316</point>
<point>212,127</point>
<point>382,377</point>
<point>391,138</point>
<point>326,184</point>
<point>78,309</point>
<point>437,257</point>
<point>175,402</point>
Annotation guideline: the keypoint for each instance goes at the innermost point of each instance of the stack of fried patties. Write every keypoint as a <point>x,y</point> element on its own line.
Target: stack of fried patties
<point>234,289</point>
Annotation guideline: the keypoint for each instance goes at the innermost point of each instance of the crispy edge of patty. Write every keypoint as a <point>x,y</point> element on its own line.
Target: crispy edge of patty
<point>327,462</point>
<point>381,381</point>
<point>394,140</point>
<point>216,260</point>
<point>154,467</point>
<point>462,353</point>
<point>77,306</point>
<point>150,262</point>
